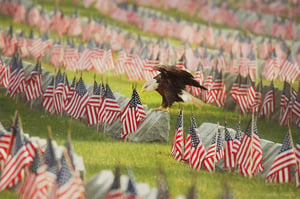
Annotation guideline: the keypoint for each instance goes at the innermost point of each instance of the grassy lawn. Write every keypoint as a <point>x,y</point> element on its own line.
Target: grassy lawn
<point>100,152</point>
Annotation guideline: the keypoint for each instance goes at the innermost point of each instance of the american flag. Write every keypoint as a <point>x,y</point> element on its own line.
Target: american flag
<point>296,108</point>
<point>132,115</point>
<point>297,173</point>
<point>5,138</point>
<point>233,64</point>
<point>109,110</point>
<point>199,77</point>
<point>181,63</point>
<point>285,95</point>
<point>57,55</point>
<point>148,70</point>
<point>23,46</point>
<point>58,97</point>
<point>76,106</point>
<point>286,116</point>
<point>72,165</point>
<point>96,58</point>
<point>131,190</point>
<point>221,62</point>
<point>35,184</point>
<point>75,28</point>
<point>214,153</point>
<point>84,62</point>
<point>246,95</point>
<point>197,151</point>
<point>66,182</point>
<point>69,90</point>
<point>52,168</point>
<point>217,90</point>
<point>35,48</point>
<point>251,94</point>
<point>249,156</point>
<point>241,92</point>
<point>237,142</point>
<point>2,69</point>
<point>235,88</point>
<point>229,157</point>
<point>187,148</point>
<point>5,76</point>
<point>254,107</point>
<point>177,149</point>
<point>71,57</point>
<point>17,76</point>
<point>268,105</point>
<point>18,158</point>
<point>289,70</point>
<point>271,68</point>
<point>280,169</point>
<point>10,44</point>
<point>33,88</point>
<point>120,63</point>
<point>48,102</point>
<point>207,84</point>
<point>130,68</point>
<point>115,191</point>
<point>188,142</point>
<point>34,16</point>
<point>66,90</point>
<point>93,105</point>
<point>108,60</point>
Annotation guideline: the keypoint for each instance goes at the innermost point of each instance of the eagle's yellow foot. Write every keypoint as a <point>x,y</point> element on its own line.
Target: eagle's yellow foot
<point>161,109</point>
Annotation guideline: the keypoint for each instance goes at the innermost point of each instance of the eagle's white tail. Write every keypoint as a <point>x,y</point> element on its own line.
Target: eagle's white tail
<point>187,97</point>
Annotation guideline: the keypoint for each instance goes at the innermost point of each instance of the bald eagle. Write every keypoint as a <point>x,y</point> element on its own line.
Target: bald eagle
<point>171,84</point>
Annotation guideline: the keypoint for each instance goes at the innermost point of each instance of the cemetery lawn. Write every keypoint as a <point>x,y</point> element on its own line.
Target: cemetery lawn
<point>100,151</point>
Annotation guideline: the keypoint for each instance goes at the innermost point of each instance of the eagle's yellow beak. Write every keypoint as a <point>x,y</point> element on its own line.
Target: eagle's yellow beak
<point>143,90</point>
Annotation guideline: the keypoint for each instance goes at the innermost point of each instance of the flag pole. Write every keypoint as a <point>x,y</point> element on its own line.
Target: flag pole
<point>69,129</point>
<point>216,146</point>
<point>51,137</point>
<point>11,142</point>
<point>100,101</point>
<point>292,143</point>
<point>251,149</point>
<point>236,163</point>
<point>105,122</point>
<point>49,132</point>
<point>65,78</point>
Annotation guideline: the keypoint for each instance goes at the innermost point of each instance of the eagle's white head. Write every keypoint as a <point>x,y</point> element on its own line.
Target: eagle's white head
<point>150,85</point>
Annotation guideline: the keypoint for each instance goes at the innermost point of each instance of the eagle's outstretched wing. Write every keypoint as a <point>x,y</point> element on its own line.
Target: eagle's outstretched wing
<point>179,78</point>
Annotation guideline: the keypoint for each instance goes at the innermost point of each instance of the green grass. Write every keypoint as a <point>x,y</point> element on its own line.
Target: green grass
<point>101,152</point>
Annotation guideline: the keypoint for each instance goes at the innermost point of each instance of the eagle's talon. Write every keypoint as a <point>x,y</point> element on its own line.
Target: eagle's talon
<point>157,109</point>
<point>161,109</point>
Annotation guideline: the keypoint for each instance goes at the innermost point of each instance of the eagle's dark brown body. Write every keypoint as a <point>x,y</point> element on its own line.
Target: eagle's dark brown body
<point>172,83</point>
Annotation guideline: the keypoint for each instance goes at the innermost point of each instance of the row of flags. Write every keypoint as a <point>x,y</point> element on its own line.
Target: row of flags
<point>13,78</point>
<point>242,152</point>
<point>248,97</point>
<point>280,60</point>
<point>98,107</point>
<point>98,30</point>
<point>34,171</point>
<point>139,65</point>
<point>151,20</point>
